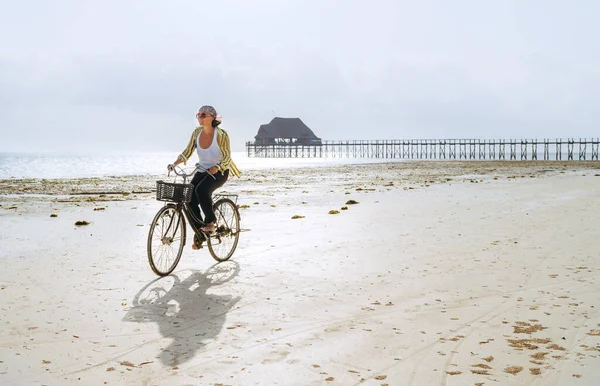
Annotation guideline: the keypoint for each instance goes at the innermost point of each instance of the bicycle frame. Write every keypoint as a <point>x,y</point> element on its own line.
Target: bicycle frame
<point>187,211</point>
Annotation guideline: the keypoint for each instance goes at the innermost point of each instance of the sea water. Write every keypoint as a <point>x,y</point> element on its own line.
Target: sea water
<point>52,165</point>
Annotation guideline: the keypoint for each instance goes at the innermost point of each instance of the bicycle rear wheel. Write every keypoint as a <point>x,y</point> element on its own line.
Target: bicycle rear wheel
<point>166,240</point>
<point>222,244</point>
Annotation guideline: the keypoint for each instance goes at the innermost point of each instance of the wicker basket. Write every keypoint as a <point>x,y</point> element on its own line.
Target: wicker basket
<point>167,191</point>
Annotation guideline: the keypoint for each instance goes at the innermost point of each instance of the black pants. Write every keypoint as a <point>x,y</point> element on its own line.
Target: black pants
<point>204,186</point>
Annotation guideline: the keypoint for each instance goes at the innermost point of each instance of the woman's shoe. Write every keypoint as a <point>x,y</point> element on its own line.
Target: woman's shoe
<point>197,243</point>
<point>209,229</point>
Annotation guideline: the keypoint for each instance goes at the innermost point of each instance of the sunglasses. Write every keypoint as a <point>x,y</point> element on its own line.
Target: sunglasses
<point>203,115</point>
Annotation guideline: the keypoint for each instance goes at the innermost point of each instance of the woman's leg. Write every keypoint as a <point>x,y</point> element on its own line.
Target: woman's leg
<point>204,191</point>
<point>198,177</point>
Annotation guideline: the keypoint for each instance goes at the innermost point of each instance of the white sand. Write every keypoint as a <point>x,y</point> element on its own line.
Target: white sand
<point>408,287</point>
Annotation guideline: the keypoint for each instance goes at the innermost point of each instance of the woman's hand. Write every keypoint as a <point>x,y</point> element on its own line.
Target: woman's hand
<point>213,170</point>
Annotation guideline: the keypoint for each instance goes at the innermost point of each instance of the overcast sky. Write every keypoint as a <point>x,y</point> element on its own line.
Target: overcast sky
<point>110,75</point>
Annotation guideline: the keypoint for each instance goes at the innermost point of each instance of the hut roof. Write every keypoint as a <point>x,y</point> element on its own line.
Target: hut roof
<point>285,128</point>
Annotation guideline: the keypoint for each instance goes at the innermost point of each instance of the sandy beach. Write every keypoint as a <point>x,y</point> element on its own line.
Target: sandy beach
<point>441,273</point>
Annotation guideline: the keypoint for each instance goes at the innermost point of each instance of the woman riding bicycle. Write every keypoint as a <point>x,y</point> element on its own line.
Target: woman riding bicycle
<point>214,154</point>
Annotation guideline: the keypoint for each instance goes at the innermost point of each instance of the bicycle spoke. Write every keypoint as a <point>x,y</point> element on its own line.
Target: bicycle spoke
<point>165,240</point>
<point>224,242</point>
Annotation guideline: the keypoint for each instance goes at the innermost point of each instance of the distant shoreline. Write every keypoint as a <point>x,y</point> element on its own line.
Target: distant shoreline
<point>277,180</point>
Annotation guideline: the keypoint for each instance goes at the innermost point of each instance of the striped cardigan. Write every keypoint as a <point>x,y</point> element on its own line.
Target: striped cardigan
<point>223,142</point>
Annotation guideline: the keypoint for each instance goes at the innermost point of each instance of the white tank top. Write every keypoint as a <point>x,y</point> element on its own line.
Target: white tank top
<point>211,156</point>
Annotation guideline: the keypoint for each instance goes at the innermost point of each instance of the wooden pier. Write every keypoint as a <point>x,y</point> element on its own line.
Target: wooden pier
<point>441,149</point>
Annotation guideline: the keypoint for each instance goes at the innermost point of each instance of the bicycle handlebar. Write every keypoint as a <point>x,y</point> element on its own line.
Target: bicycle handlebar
<point>182,173</point>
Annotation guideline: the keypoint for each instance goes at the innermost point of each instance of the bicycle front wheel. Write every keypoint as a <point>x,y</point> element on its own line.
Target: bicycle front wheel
<point>222,244</point>
<point>166,240</point>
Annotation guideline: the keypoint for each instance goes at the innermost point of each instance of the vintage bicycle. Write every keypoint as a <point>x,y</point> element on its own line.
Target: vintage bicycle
<point>167,235</point>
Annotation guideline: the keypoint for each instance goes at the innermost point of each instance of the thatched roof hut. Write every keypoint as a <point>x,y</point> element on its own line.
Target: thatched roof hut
<point>286,131</point>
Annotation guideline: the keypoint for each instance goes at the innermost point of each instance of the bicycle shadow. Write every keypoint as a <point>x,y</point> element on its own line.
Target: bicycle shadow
<point>183,309</point>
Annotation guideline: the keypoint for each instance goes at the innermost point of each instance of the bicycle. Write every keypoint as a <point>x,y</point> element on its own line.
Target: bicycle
<point>167,234</point>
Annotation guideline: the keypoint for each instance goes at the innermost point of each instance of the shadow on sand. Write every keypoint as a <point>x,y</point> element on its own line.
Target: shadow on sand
<point>183,309</point>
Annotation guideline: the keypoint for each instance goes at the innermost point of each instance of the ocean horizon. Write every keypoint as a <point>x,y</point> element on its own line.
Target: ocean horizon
<point>72,165</point>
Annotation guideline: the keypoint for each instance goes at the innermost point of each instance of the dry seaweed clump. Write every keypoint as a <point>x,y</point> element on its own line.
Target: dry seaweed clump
<point>513,369</point>
<point>351,202</point>
<point>82,222</point>
<point>453,372</point>
<point>530,344</point>
<point>297,216</point>
<point>527,328</point>
<point>539,355</point>
<point>333,211</point>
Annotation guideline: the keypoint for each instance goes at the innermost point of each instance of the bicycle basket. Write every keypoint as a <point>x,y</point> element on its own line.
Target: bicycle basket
<point>167,191</point>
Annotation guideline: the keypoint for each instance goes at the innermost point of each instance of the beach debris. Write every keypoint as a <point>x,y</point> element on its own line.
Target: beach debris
<point>482,366</point>
<point>521,344</point>
<point>527,328</point>
<point>351,202</point>
<point>304,202</point>
<point>82,222</point>
<point>127,363</point>
<point>344,208</point>
<point>513,369</point>
<point>46,362</point>
<point>333,211</point>
<point>554,346</point>
<point>488,359</point>
<point>297,216</point>
<point>53,215</point>
<point>96,209</point>
<point>453,372</point>
<point>12,207</point>
<point>330,379</point>
<point>381,377</point>
<point>480,372</point>
<point>111,369</point>
<point>594,333</point>
<point>256,203</point>
<point>535,371</point>
<point>243,206</point>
